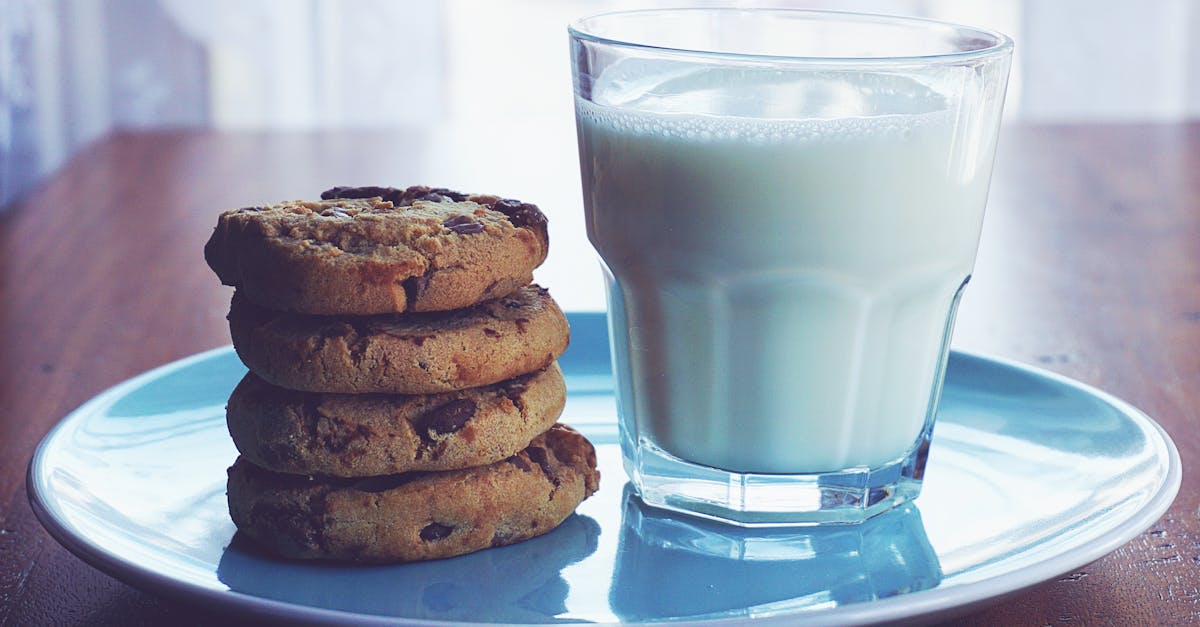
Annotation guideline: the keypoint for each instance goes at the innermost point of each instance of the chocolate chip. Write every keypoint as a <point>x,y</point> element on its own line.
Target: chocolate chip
<point>502,537</point>
<point>542,459</point>
<point>513,391</point>
<point>434,194</point>
<point>449,418</point>
<point>507,206</point>
<point>436,531</point>
<point>414,288</point>
<point>519,462</point>
<point>451,194</point>
<point>398,197</point>
<point>414,193</point>
<point>522,214</point>
<point>463,225</point>
<point>390,194</point>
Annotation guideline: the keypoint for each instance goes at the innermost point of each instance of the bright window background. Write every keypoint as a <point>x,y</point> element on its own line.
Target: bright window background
<point>487,73</point>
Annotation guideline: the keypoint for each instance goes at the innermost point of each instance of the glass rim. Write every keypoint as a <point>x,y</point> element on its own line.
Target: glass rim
<point>998,43</point>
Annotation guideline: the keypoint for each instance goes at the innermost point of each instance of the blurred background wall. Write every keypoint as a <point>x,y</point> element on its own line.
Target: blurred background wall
<point>74,70</point>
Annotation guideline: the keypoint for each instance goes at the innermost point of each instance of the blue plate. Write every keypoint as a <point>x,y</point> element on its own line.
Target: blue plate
<point>1030,476</point>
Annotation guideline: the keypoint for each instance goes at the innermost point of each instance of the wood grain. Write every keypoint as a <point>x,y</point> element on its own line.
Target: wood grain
<point>1089,266</point>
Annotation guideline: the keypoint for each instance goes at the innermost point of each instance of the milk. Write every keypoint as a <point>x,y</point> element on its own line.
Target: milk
<point>782,267</point>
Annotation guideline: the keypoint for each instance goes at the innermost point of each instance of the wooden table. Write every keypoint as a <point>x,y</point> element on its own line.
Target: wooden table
<point>1090,266</point>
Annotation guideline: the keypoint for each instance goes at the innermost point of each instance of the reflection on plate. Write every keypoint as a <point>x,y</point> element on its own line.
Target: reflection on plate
<point>663,559</point>
<point>1030,475</point>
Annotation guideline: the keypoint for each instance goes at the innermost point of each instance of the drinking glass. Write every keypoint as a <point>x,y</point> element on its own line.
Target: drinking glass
<point>787,205</point>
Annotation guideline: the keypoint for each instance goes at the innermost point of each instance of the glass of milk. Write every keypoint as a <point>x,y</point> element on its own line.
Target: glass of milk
<point>787,205</point>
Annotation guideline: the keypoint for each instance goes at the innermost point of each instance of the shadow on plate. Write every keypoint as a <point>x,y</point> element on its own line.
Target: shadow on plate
<point>517,583</point>
<point>674,566</point>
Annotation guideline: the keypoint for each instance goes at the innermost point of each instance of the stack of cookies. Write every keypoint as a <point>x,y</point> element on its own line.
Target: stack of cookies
<point>403,392</point>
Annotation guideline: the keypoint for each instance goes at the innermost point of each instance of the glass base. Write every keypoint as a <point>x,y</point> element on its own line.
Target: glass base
<point>759,500</point>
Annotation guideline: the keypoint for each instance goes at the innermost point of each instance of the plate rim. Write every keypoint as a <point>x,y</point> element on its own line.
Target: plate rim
<point>228,601</point>
<point>926,603</point>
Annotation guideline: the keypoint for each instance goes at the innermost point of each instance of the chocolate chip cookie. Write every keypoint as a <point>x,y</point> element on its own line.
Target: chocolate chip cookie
<point>416,353</point>
<point>416,516</point>
<point>362,435</point>
<point>370,250</point>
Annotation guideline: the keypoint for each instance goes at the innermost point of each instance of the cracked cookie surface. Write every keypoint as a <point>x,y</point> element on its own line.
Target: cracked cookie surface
<point>362,435</point>
<point>416,516</point>
<point>369,250</point>
<point>418,353</point>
